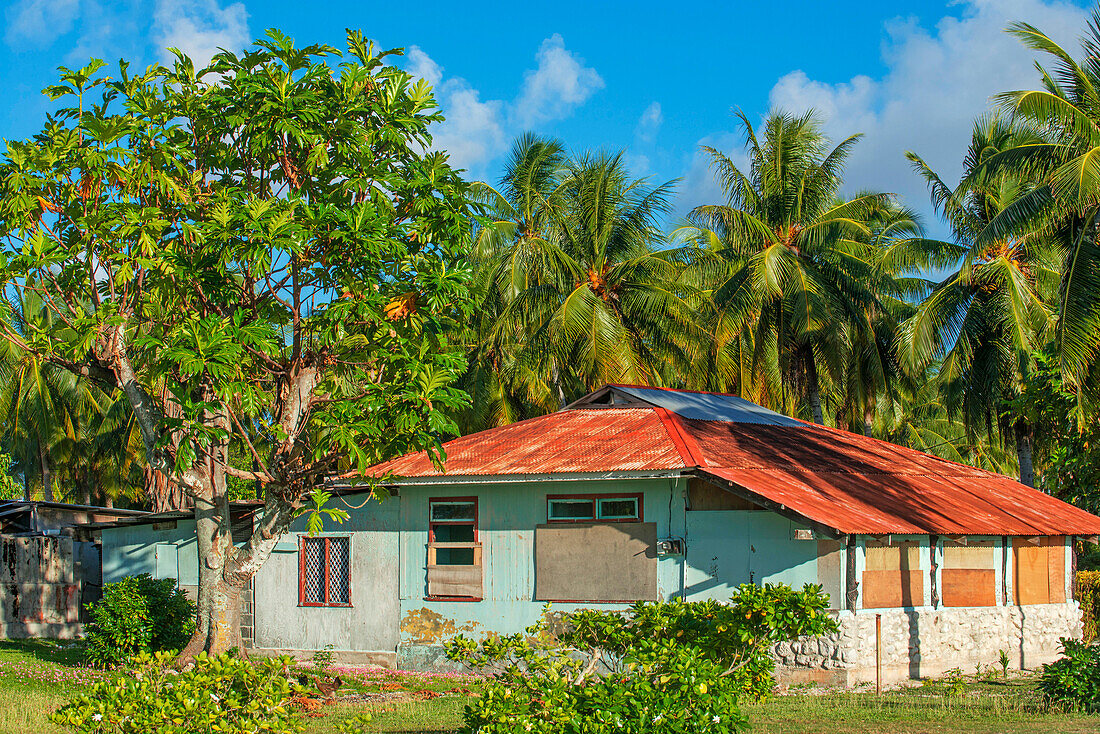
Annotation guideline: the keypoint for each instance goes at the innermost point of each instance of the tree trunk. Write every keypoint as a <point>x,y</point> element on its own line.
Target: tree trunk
<point>86,495</point>
<point>555,380</point>
<point>47,473</point>
<point>218,621</point>
<point>813,386</point>
<point>1023,452</point>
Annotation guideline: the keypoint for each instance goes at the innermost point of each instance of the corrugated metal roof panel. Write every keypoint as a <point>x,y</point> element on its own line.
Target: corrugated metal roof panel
<point>709,406</point>
<point>845,481</point>
<point>599,440</point>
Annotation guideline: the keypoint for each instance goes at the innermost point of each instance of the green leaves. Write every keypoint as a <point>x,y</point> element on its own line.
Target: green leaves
<point>667,666</point>
<point>217,694</point>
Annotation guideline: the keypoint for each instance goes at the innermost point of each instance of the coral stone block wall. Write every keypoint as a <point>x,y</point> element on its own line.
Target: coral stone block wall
<point>919,643</point>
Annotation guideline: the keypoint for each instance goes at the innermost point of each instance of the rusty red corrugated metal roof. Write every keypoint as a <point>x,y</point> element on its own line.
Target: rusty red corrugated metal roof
<point>568,441</point>
<point>848,482</point>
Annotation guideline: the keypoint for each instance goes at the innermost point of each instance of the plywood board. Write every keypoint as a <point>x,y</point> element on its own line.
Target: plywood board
<point>1030,573</point>
<point>1056,569</point>
<point>596,562</point>
<point>704,496</point>
<point>464,581</point>
<point>880,557</point>
<point>892,589</point>
<point>969,587</point>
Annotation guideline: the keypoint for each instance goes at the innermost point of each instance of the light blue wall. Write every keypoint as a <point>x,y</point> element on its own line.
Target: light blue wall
<point>389,548</point>
<point>727,548</point>
<point>132,550</point>
<point>507,516</point>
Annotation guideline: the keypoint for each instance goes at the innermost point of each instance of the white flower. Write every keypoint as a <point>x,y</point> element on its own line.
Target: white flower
<point>97,717</point>
<point>658,719</point>
<point>716,719</point>
<point>214,697</point>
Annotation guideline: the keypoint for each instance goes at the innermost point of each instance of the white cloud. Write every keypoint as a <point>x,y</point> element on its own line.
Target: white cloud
<point>559,83</point>
<point>199,28</point>
<point>39,22</point>
<point>649,123</point>
<point>477,131</point>
<point>473,132</point>
<point>937,81</point>
<point>421,65</point>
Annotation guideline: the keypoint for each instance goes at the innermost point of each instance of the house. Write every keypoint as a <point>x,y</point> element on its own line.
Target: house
<point>636,493</point>
<point>50,568</point>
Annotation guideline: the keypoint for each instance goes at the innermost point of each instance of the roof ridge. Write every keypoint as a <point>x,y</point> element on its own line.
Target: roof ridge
<point>684,442</point>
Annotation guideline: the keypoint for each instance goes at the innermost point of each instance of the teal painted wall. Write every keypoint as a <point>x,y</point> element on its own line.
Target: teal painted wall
<point>727,548</point>
<point>507,516</point>
<point>389,548</point>
<point>132,550</point>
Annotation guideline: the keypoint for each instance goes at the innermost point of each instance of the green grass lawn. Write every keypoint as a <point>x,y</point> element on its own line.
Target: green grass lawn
<point>36,677</point>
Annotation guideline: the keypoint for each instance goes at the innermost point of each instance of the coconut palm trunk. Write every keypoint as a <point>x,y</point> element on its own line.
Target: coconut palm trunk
<point>1023,452</point>
<point>813,386</point>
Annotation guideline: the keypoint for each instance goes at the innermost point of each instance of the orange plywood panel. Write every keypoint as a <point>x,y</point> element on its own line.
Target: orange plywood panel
<point>1056,569</point>
<point>1030,573</point>
<point>892,589</point>
<point>969,587</point>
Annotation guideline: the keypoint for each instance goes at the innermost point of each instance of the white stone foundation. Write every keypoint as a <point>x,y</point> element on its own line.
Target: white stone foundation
<point>925,642</point>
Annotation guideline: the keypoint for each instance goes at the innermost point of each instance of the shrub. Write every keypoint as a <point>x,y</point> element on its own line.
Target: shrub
<point>1075,678</point>
<point>678,667</point>
<point>138,614</point>
<point>218,694</point>
<point>1087,585</point>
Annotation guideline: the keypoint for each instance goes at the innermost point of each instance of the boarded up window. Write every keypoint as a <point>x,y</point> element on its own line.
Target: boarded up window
<point>968,575</point>
<point>892,576</point>
<point>1039,571</point>
<point>830,571</point>
<point>596,562</point>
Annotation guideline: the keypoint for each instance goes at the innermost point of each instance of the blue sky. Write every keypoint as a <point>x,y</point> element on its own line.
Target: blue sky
<point>656,79</point>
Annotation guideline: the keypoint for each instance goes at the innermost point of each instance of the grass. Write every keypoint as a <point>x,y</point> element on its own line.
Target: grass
<point>38,676</point>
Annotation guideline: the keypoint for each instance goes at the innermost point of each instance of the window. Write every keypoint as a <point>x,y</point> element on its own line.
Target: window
<point>454,553</point>
<point>324,572</point>
<point>594,507</point>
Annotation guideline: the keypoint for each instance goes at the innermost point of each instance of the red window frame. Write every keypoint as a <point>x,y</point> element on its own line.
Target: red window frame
<point>431,536</point>
<point>302,540</point>
<point>595,507</point>
<point>432,523</point>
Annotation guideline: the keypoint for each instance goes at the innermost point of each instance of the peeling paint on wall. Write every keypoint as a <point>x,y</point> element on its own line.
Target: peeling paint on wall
<point>424,626</point>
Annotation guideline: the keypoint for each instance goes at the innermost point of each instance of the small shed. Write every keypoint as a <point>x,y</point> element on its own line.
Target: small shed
<point>635,493</point>
<point>50,568</point>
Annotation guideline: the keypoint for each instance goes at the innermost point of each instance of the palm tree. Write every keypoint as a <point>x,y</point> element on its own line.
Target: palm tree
<point>578,288</point>
<point>985,319</point>
<point>521,213</point>
<point>37,399</point>
<point>796,270</point>
<point>917,417</point>
<point>1065,201</point>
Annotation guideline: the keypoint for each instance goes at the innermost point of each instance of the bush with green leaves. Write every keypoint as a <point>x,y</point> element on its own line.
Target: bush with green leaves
<point>138,614</point>
<point>222,694</point>
<point>1075,678</point>
<point>678,667</point>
